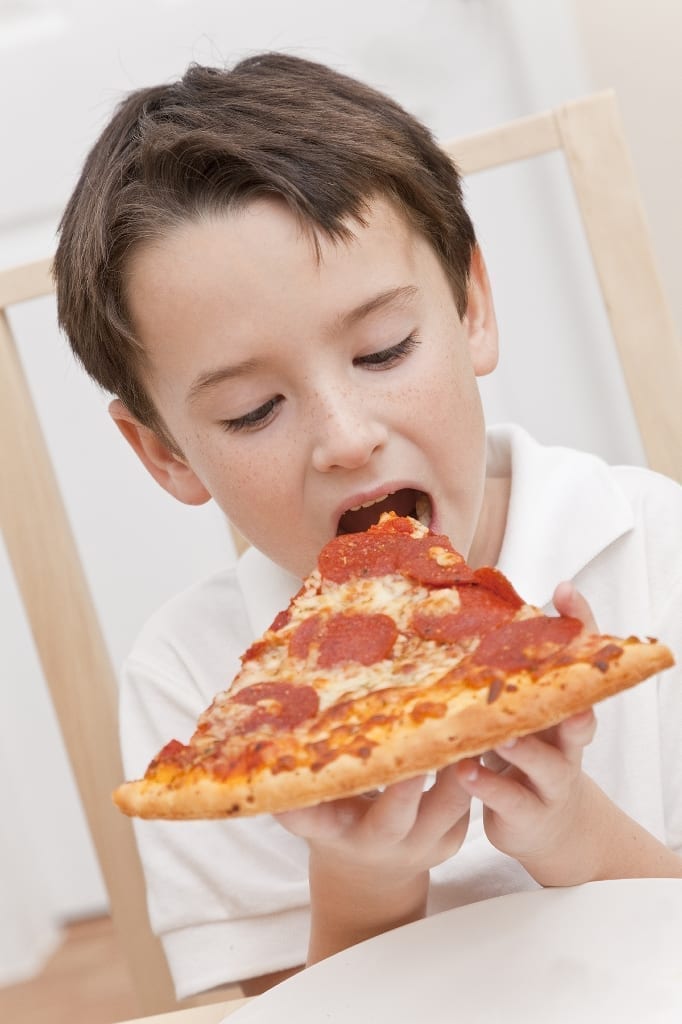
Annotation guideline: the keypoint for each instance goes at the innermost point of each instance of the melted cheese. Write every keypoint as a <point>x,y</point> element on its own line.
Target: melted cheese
<point>391,595</point>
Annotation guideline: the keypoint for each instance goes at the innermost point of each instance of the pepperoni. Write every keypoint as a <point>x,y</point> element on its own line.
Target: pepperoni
<point>362,638</point>
<point>355,555</point>
<point>303,636</point>
<point>430,560</point>
<point>394,524</point>
<point>526,643</point>
<point>495,581</point>
<point>434,562</point>
<point>254,652</point>
<point>280,620</point>
<point>281,705</point>
<point>175,753</point>
<point>481,610</point>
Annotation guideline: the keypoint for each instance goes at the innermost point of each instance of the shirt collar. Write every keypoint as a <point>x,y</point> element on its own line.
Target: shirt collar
<point>564,509</point>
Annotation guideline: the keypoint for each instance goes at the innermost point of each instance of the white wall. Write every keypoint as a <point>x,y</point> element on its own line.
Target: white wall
<point>461,65</point>
<point>635,47</point>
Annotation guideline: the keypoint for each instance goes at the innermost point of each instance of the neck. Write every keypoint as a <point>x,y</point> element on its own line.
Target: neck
<point>487,543</point>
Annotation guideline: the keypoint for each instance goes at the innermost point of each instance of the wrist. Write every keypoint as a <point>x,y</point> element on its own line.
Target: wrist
<point>351,903</point>
<point>602,842</point>
<point>574,853</point>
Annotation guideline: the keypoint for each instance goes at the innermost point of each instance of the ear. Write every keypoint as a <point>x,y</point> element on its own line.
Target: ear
<point>479,320</point>
<point>167,468</point>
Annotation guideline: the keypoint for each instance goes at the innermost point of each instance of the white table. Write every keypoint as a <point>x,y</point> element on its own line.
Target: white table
<point>594,954</point>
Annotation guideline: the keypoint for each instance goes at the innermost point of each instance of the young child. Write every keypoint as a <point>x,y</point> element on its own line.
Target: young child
<point>272,271</point>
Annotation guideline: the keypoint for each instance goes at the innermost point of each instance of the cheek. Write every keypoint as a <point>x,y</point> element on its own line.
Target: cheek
<point>446,390</point>
<point>246,480</point>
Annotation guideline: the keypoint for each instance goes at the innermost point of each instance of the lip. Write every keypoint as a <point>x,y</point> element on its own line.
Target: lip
<point>360,497</point>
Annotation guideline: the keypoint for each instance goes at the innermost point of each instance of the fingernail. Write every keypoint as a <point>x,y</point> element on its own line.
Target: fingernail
<point>508,744</point>
<point>472,774</point>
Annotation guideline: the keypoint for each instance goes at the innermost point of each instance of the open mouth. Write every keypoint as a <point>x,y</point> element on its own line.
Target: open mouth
<point>405,502</point>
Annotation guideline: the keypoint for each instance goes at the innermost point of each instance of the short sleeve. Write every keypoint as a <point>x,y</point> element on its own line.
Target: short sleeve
<point>229,899</point>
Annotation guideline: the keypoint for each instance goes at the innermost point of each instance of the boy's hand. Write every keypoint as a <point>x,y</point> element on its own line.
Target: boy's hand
<point>370,856</point>
<point>536,798</point>
<point>538,804</point>
<point>400,831</point>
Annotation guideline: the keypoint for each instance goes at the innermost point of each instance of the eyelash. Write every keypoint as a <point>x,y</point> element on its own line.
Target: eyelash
<point>382,360</point>
<point>388,357</point>
<point>253,420</point>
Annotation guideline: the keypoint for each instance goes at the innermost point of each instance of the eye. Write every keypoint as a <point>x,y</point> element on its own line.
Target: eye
<point>388,357</point>
<point>254,420</point>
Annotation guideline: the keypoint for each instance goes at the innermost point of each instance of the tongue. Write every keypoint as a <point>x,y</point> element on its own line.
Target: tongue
<point>402,502</point>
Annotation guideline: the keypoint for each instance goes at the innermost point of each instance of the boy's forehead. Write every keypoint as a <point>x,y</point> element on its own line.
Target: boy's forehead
<point>264,243</point>
<point>265,219</point>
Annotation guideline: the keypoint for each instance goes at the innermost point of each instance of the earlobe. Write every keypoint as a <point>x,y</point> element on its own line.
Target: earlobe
<point>480,318</point>
<point>167,468</point>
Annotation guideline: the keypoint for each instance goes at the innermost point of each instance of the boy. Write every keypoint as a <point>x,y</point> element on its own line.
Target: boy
<point>272,270</point>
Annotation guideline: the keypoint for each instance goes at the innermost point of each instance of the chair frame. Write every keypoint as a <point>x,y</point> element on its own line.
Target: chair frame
<point>71,648</point>
<point>43,553</point>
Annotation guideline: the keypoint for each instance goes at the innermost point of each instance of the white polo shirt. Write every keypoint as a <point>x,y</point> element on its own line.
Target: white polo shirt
<point>229,899</point>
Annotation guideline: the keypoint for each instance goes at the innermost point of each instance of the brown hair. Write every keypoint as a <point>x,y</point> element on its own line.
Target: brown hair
<point>274,123</point>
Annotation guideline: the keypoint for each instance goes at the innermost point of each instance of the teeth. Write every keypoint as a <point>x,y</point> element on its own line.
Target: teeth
<point>368,504</point>
<point>423,510</point>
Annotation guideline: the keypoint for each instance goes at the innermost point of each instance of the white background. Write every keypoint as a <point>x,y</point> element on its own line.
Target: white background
<point>461,66</point>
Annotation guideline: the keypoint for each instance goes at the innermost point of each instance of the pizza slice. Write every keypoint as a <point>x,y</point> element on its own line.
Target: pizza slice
<point>394,659</point>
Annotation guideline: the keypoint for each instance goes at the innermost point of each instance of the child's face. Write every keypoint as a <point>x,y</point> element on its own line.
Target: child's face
<point>299,388</point>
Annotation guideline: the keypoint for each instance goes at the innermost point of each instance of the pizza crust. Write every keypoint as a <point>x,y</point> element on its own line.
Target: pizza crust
<point>471,726</point>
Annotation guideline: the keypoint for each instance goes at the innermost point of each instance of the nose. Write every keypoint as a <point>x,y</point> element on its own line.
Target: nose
<point>346,434</point>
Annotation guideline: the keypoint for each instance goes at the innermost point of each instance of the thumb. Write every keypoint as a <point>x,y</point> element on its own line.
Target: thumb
<point>569,601</point>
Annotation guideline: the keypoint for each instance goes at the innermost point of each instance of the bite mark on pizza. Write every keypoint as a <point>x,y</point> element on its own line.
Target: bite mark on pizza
<point>395,658</point>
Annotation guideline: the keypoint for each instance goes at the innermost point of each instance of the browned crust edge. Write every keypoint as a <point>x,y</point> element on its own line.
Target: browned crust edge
<point>409,750</point>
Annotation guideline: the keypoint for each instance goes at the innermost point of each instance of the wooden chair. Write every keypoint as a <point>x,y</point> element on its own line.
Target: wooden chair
<point>41,547</point>
<point>590,135</point>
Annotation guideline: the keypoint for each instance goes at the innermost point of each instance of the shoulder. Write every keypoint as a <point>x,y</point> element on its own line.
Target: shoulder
<point>650,494</point>
<point>545,475</point>
<point>197,628</point>
<point>573,516</point>
<point>656,503</point>
<point>200,611</point>
<point>185,653</point>
<point>201,627</point>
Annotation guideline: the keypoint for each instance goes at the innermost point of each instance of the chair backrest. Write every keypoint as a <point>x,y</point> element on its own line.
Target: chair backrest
<point>590,135</point>
<point>70,645</point>
<point>58,605</point>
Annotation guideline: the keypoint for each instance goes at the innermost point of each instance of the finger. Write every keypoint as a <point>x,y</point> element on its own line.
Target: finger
<point>548,770</point>
<point>503,794</point>
<point>492,760</point>
<point>575,733</point>
<point>569,601</point>
<point>442,806</point>
<point>392,814</point>
<point>324,821</point>
<point>451,841</point>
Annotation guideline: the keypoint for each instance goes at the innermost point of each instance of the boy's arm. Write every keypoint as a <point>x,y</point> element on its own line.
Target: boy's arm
<point>545,812</point>
<point>370,857</point>
<point>541,809</point>
<point>256,986</point>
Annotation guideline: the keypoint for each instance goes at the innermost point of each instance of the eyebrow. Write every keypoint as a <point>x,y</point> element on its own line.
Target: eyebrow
<point>393,297</point>
<point>211,378</point>
<point>205,381</point>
